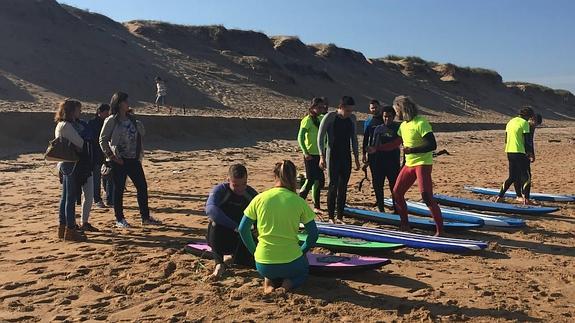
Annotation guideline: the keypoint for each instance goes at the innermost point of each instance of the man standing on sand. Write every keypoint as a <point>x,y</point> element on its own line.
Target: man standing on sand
<point>96,125</point>
<point>225,208</point>
<point>519,151</point>
<point>161,92</point>
<point>374,111</point>
<point>340,128</point>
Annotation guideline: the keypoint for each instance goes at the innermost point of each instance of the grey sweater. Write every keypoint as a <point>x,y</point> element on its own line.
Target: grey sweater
<point>326,127</point>
<point>110,139</point>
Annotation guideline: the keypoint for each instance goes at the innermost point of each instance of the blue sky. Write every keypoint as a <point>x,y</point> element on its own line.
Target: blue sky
<point>523,40</point>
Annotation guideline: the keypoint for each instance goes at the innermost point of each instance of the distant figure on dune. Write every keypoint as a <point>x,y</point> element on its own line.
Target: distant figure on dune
<point>307,140</point>
<point>418,146</point>
<point>161,92</point>
<point>278,213</point>
<point>225,208</point>
<point>96,124</point>
<point>66,115</point>
<point>121,142</point>
<point>519,149</point>
<point>340,129</point>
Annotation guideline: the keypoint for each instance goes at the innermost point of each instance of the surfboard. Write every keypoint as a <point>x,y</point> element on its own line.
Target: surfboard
<point>534,196</point>
<point>409,239</point>
<point>318,263</point>
<point>414,221</point>
<point>350,245</point>
<point>492,206</point>
<point>462,215</point>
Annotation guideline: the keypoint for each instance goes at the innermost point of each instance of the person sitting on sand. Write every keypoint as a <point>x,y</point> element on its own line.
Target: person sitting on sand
<point>121,142</point>
<point>340,129</point>
<point>519,152</point>
<point>225,208</point>
<point>381,144</point>
<point>418,146</point>
<point>66,115</point>
<point>278,213</point>
<point>161,92</point>
<point>307,140</point>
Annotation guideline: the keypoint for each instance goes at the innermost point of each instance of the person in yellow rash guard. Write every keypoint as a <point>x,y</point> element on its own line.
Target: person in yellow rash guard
<point>278,213</point>
<point>307,140</point>
<point>519,150</point>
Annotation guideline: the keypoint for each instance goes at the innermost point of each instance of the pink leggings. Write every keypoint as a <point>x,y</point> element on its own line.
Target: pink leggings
<point>405,180</point>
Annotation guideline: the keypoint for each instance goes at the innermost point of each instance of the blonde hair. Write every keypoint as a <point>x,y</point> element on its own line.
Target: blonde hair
<point>286,173</point>
<point>407,106</point>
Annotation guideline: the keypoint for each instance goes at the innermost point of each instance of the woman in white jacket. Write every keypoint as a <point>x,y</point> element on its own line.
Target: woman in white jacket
<point>121,142</point>
<point>68,111</point>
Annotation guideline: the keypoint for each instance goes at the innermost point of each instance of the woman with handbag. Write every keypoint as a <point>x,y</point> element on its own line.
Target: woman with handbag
<point>68,111</point>
<point>121,142</point>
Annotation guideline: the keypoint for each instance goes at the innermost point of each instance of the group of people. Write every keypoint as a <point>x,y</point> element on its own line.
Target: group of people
<point>328,141</point>
<point>110,149</point>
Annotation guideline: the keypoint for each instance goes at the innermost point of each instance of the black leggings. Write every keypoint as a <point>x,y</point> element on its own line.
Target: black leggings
<point>339,172</point>
<point>312,174</point>
<point>228,242</point>
<point>131,168</point>
<point>383,167</point>
<point>519,175</point>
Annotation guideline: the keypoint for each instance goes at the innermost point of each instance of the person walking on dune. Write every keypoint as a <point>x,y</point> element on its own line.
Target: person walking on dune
<point>161,92</point>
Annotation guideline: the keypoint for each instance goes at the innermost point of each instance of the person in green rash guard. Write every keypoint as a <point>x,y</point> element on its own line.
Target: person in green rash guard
<point>519,152</point>
<point>307,140</point>
<point>278,213</point>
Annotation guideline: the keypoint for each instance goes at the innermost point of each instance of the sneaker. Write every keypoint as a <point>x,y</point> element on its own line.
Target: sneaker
<point>101,205</point>
<point>88,227</point>
<point>123,224</point>
<point>151,221</point>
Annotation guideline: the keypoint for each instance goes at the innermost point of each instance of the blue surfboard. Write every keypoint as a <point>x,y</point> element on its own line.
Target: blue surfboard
<point>533,196</point>
<point>492,206</point>
<point>463,216</point>
<point>408,239</point>
<point>414,221</point>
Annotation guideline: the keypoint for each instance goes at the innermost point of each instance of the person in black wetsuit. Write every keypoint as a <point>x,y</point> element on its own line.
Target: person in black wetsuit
<point>340,128</point>
<point>381,150</point>
<point>225,208</point>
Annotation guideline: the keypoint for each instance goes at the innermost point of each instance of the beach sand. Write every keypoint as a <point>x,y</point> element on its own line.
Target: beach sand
<point>143,274</point>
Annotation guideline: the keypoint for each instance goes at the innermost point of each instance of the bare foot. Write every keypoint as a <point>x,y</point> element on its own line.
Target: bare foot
<point>268,288</point>
<point>438,234</point>
<point>228,259</point>
<point>520,199</point>
<point>339,221</point>
<point>528,202</point>
<point>331,220</point>
<point>498,199</point>
<point>217,274</point>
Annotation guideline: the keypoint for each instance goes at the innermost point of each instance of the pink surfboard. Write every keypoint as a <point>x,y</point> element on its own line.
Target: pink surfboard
<point>318,263</point>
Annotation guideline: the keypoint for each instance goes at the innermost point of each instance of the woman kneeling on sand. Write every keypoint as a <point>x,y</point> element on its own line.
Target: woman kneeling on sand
<point>278,213</point>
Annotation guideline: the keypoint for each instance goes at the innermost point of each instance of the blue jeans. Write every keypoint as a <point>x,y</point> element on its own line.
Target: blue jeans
<point>131,168</point>
<point>296,271</point>
<point>68,201</point>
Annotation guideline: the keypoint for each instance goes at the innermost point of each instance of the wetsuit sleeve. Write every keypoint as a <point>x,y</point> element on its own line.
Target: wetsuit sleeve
<point>365,139</point>
<point>429,144</point>
<point>312,235</point>
<point>246,234</point>
<point>301,138</point>
<point>325,123</point>
<point>354,143</point>
<point>390,145</point>
<point>213,210</point>
<point>529,147</point>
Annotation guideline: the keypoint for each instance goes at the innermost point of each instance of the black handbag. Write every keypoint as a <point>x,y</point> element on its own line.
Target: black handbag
<point>62,150</point>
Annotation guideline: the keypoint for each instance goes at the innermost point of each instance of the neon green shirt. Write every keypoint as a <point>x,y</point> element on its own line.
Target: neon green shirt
<point>307,136</point>
<point>412,132</point>
<point>515,142</point>
<point>278,213</point>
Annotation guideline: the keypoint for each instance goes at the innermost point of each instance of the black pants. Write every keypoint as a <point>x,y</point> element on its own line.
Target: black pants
<point>131,168</point>
<point>228,242</point>
<point>339,172</point>
<point>313,173</point>
<point>519,175</point>
<point>383,166</point>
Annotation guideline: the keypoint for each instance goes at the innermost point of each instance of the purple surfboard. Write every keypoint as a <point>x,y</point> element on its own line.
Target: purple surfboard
<point>318,263</point>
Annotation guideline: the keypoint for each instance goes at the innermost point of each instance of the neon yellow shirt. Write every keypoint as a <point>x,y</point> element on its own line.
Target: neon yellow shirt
<point>309,131</point>
<point>278,213</point>
<point>412,133</point>
<point>515,129</point>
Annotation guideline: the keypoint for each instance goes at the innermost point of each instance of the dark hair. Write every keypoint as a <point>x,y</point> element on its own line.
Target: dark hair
<point>346,100</point>
<point>286,172</point>
<point>102,108</point>
<point>158,79</point>
<point>389,109</point>
<point>538,119</point>
<point>374,101</point>
<point>324,99</point>
<point>237,171</point>
<point>526,112</point>
<point>66,110</point>
<point>117,98</point>
<point>316,101</point>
